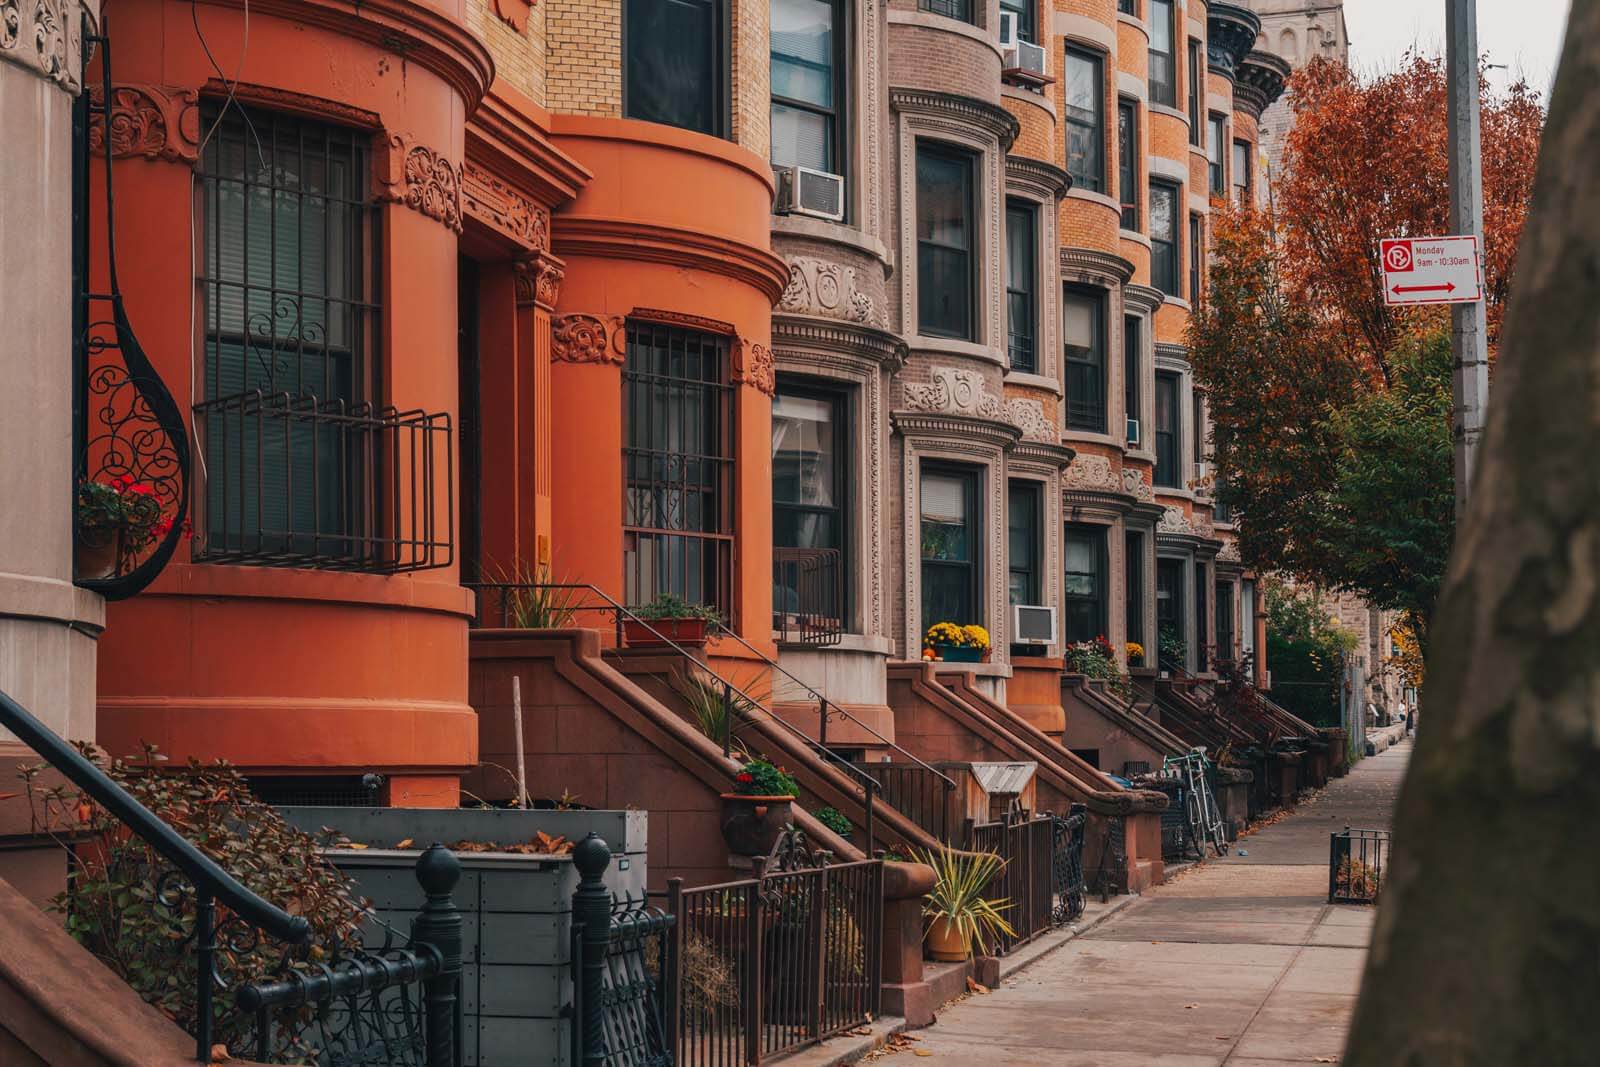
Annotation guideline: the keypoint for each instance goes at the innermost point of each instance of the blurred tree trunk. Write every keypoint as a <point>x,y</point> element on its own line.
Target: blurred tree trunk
<point>1487,947</point>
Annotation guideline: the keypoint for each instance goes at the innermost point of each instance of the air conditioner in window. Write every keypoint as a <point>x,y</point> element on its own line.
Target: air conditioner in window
<point>805,191</point>
<point>1032,624</point>
<point>1201,469</point>
<point>1017,55</point>
<point>1133,431</point>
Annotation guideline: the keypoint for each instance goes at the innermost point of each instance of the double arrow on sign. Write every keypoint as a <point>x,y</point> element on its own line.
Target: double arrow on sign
<point>1450,288</point>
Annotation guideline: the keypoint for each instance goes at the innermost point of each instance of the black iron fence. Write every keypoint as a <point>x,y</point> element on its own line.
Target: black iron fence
<point>922,794</point>
<point>1068,890</point>
<point>1356,859</point>
<point>298,480</point>
<point>807,596</point>
<point>1027,881</point>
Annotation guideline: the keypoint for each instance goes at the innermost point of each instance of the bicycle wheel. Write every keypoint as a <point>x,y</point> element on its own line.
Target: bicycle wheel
<point>1195,816</point>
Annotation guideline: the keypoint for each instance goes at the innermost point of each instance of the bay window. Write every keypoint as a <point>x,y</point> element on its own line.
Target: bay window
<point>1168,442</point>
<point>810,502</point>
<point>1084,327</point>
<point>1171,647</point>
<point>676,66</point>
<point>1164,269</point>
<point>1027,18</point>
<point>1224,594</point>
<point>1241,173</point>
<point>1024,560</point>
<point>1197,66</point>
<point>1163,66</point>
<point>1021,304</point>
<point>1216,161</point>
<point>1132,369</point>
<point>1128,161</point>
<point>807,86</point>
<point>946,279</point>
<point>950,548</point>
<point>1085,98</point>
<point>1133,590</point>
<point>954,9</point>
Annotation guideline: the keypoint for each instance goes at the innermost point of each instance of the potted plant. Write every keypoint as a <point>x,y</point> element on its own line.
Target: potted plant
<point>1135,654</point>
<point>669,619</point>
<point>116,520</point>
<point>758,809</point>
<point>837,821</point>
<point>1171,648</point>
<point>957,644</point>
<point>958,913</point>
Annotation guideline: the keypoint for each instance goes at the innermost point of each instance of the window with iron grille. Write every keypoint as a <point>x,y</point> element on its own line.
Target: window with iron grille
<point>1163,65</point>
<point>807,84</point>
<point>1167,429</point>
<point>1083,566</point>
<point>1021,307</point>
<point>678,429</point>
<point>954,9</point>
<point>1084,324</point>
<point>1241,173</point>
<point>1086,135</point>
<point>288,279</point>
<point>676,67</point>
<point>1164,268</point>
<point>1128,161</point>
<point>1216,160</point>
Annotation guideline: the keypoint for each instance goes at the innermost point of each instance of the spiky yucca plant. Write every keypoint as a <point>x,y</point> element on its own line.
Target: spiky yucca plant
<point>957,897</point>
<point>533,600</point>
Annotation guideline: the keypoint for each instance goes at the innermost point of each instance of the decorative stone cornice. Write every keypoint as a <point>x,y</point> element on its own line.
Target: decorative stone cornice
<point>503,208</point>
<point>585,338</point>
<point>1174,521</point>
<point>1172,357</point>
<point>1045,180</point>
<point>421,179</point>
<point>1093,267</point>
<point>538,280</point>
<point>1134,484</point>
<point>1092,473</point>
<point>956,392</point>
<point>45,37</point>
<point>626,239</point>
<point>1229,553</point>
<point>969,111</point>
<point>1258,81</point>
<point>828,289</point>
<point>1142,299</point>
<point>799,340</point>
<point>1230,33</point>
<point>154,122</point>
<point>1042,452</point>
<point>983,432</point>
<point>581,337</point>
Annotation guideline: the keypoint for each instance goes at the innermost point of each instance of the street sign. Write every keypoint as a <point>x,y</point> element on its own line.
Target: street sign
<point>1431,270</point>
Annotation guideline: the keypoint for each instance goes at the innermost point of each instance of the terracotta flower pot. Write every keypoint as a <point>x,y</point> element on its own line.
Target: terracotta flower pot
<point>96,551</point>
<point>644,634</point>
<point>946,942</point>
<point>751,825</point>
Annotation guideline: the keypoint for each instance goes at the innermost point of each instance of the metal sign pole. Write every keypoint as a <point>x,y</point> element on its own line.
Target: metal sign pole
<point>1469,330</point>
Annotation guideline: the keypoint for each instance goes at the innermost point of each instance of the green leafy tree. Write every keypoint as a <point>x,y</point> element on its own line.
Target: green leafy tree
<point>1306,648</point>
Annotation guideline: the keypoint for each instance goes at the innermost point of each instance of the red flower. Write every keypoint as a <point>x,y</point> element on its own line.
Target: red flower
<point>141,488</point>
<point>744,778</point>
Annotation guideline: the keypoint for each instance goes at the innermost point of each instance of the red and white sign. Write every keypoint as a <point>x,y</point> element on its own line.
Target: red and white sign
<point>1431,270</point>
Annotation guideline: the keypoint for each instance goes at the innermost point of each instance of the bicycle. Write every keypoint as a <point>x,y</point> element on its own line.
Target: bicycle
<point>1200,808</point>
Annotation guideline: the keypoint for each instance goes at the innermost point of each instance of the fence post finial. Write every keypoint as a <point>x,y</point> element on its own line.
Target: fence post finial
<point>439,925</point>
<point>591,909</point>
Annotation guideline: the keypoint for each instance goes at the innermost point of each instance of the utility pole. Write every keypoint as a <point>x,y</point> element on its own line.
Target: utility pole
<point>1468,327</point>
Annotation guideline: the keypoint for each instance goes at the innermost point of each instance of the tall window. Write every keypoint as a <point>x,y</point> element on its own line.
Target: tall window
<point>1197,69</point>
<point>1167,430</point>
<point>1224,600</point>
<point>1163,68</point>
<point>945,279</point>
<point>1128,161</point>
<point>1027,18</point>
<point>1022,532</point>
<point>1084,324</point>
<point>1021,303</point>
<point>1133,589</point>
<point>1169,609</point>
<point>1196,269</point>
<point>677,66</point>
<point>1164,237</point>
<point>1083,565</point>
<point>955,9</point>
<point>1216,161</point>
<point>1198,426</point>
<point>1086,136</point>
<point>1247,619</point>
<point>1201,659</point>
<point>1241,172</point>
<point>678,431</point>
<point>1128,7</point>
<point>810,431</point>
<point>949,545</point>
<point>806,84</point>
<point>1132,368</point>
<point>290,309</point>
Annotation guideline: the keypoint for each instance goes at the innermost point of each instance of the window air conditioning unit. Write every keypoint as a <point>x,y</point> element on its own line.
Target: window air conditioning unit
<point>1201,469</point>
<point>1133,431</point>
<point>805,191</point>
<point>1017,54</point>
<point>1032,624</point>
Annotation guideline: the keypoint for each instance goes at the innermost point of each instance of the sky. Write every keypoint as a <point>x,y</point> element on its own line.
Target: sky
<point>1525,35</point>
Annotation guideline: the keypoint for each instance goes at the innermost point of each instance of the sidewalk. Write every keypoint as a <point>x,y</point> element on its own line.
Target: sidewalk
<point>1238,962</point>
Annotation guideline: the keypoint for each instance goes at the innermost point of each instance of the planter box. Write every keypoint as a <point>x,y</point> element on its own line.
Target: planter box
<point>959,653</point>
<point>515,909</point>
<point>687,632</point>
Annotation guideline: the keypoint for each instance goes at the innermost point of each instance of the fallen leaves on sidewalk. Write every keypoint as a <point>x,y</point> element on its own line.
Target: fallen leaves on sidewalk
<point>897,1043</point>
<point>975,986</point>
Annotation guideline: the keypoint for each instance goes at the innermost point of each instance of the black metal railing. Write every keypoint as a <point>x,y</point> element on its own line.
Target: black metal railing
<point>386,1008</point>
<point>293,480</point>
<point>923,795</point>
<point>1068,889</point>
<point>1356,859</point>
<point>807,596</point>
<point>775,963</point>
<point>128,431</point>
<point>1027,881</point>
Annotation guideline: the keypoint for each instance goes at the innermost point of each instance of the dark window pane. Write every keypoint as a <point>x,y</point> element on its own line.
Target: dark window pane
<point>1084,585</point>
<point>1163,32</point>
<point>805,84</point>
<point>1026,18</point>
<point>1085,96</point>
<point>949,546</point>
<point>955,9</point>
<point>1021,311</point>
<point>1196,271</point>
<point>1133,585</point>
<point>1167,429</point>
<point>1216,163</point>
<point>1132,371</point>
<point>1128,162</point>
<point>1164,269</point>
<point>944,240</point>
<point>1022,529</point>
<point>1084,326</point>
<point>1241,172</point>
<point>1224,600</point>
<point>675,63</point>
<point>1197,68</point>
<point>1202,659</point>
<point>1169,610</point>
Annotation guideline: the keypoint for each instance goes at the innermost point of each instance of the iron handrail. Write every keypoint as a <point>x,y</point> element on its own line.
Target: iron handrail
<point>824,703</point>
<point>202,870</point>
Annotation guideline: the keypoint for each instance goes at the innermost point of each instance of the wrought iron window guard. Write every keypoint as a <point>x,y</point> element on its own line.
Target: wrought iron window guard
<point>296,481</point>
<point>128,431</point>
<point>358,1007</point>
<point>807,596</point>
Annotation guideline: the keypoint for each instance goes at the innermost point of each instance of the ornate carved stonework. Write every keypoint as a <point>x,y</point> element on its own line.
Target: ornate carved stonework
<point>582,338</point>
<point>44,36</point>
<point>149,121</point>
<point>1174,521</point>
<point>956,392</point>
<point>1091,472</point>
<point>1134,485</point>
<point>1029,417</point>
<point>1229,553</point>
<point>822,287</point>
<point>538,280</point>
<point>684,319</point>
<point>514,13</point>
<point>753,365</point>
<point>423,180</point>
<point>502,207</point>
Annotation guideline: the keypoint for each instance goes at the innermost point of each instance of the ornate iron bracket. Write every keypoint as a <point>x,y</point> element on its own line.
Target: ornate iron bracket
<point>129,431</point>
